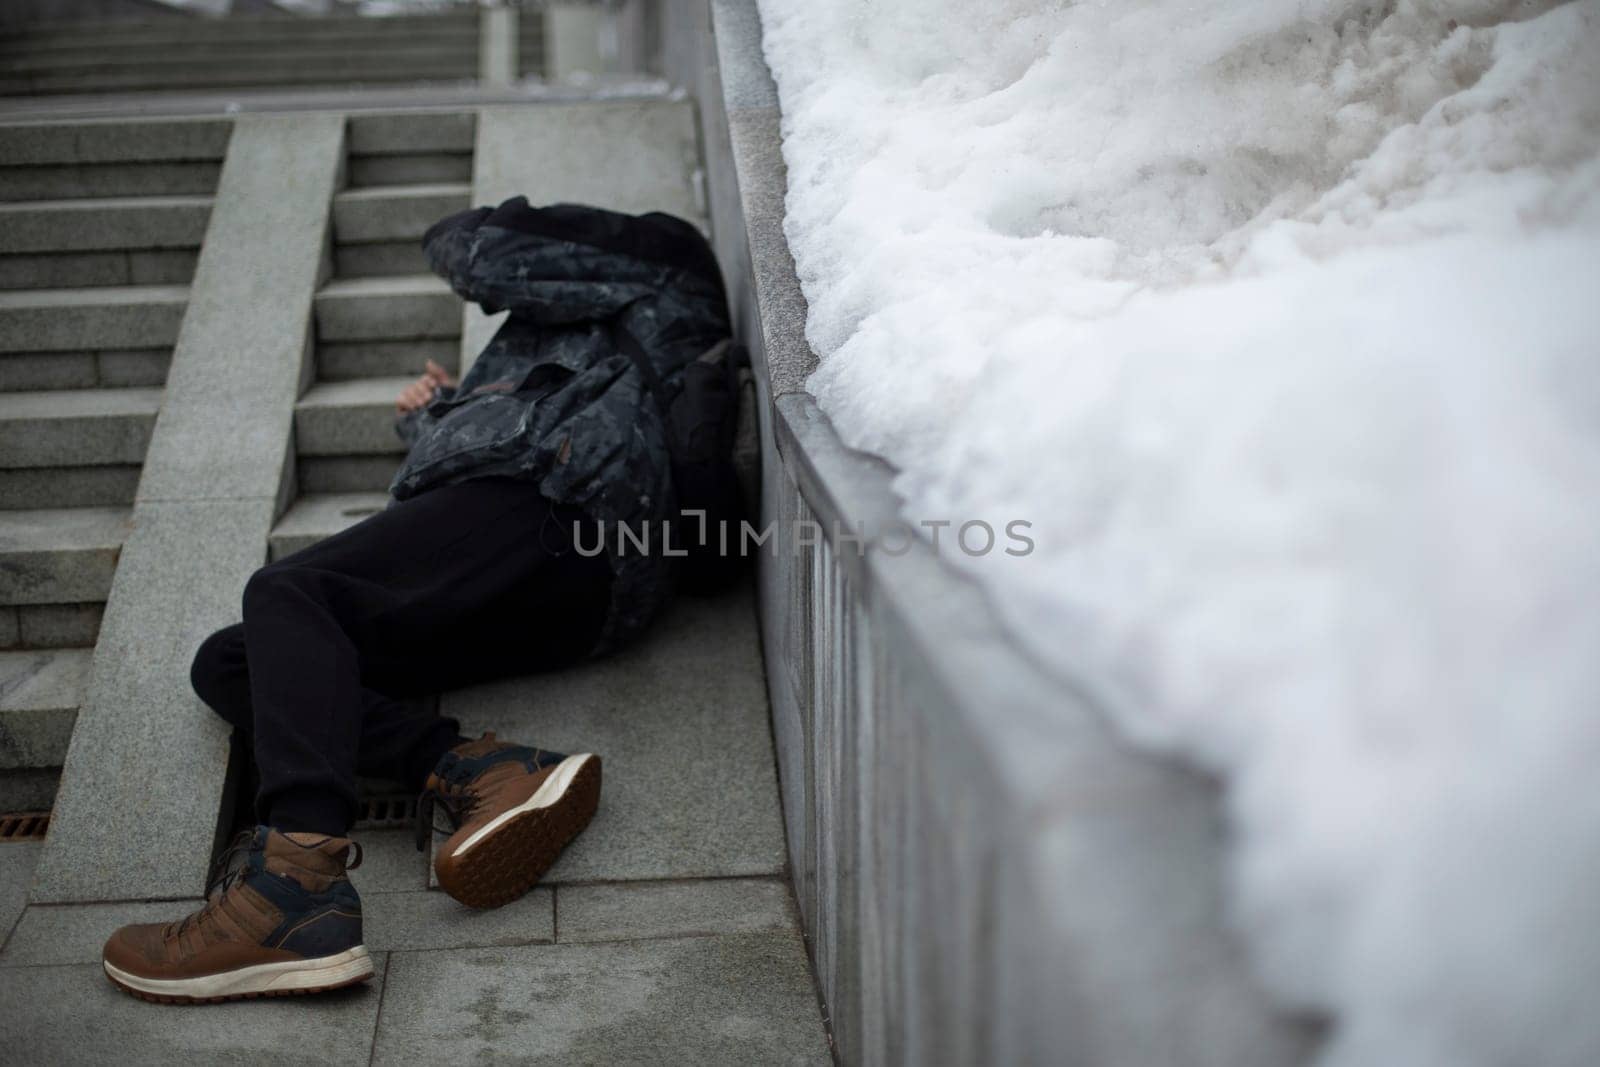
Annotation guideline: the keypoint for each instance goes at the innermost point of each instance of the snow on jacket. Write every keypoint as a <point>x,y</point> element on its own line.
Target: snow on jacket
<point>551,398</point>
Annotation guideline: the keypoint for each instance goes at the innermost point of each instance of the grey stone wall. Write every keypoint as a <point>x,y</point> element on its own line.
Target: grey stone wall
<point>985,873</point>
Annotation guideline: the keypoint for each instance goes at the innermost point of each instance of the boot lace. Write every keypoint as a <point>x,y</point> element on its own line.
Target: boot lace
<point>456,801</point>
<point>226,872</point>
<point>227,869</point>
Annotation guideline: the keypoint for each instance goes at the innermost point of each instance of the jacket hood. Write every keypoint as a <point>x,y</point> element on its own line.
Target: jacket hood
<point>570,263</point>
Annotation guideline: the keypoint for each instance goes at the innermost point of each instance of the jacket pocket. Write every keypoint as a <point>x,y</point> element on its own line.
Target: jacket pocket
<point>479,431</point>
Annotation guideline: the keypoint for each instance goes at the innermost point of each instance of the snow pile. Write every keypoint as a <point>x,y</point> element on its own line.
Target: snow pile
<point>1280,321</point>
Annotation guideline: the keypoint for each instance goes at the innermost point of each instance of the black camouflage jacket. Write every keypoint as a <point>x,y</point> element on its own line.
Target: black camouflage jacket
<point>550,398</point>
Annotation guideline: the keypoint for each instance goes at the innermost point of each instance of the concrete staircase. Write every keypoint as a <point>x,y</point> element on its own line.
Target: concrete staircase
<point>247,52</point>
<point>382,315</point>
<point>203,329</point>
<point>100,228</point>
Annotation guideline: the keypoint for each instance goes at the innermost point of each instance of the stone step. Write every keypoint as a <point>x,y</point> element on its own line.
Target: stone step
<point>60,556</point>
<point>409,132</point>
<point>386,309</point>
<point>76,427</point>
<point>101,486</point>
<point>315,516</point>
<point>345,474</point>
<point>241,76</point>
<point>343,361</point>
<point>354,418</point>
<point>189,33</point>
<point>79,270</point>
<point>110,368</point>
<point>116,317</point>
<point>407,168</point>
<point>40,626</point>
<point>113,141</point>
<point>318,51</point>
<point>379,259</point>
<point>395,213</point>
<point>56,181</point>
<point>40,693</point>
<point>92,225</point>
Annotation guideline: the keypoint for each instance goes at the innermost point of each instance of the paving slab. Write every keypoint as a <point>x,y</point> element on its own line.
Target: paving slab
<point>57,934</point>
<point>390,863</point>
<point>40,692</point>
<point>433,920</point>
<point>77,427</point>
<point>17,861</point>
<point>680,720</point>
<point>634,155</point>
<point>335,1027</point>
<point>59,555</point>
<point>621,911</point>
<point>349,418</point>
<point>736,1000</point>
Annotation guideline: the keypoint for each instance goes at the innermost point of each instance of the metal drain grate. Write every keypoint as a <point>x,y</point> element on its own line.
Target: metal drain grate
<point>387,811</point>
<point>24,826</point>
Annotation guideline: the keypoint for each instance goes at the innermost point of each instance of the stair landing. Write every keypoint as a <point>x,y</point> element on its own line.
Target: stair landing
<point>666,933</point>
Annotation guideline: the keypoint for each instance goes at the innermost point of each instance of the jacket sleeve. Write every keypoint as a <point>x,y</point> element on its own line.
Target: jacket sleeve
<point>409,425</point>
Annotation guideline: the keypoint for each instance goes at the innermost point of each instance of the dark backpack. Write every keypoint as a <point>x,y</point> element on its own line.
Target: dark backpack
<point>701,420</point>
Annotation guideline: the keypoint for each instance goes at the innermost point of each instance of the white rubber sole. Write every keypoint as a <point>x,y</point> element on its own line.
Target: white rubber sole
<point>548,793</point>
<point>325,972</point>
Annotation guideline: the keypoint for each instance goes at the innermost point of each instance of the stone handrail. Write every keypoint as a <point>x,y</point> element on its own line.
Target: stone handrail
<point>985,872</point>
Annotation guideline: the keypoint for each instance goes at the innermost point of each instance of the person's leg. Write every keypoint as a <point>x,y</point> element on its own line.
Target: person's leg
<point>401,740</point>
<point>397,603</point>
<point>415,599</point>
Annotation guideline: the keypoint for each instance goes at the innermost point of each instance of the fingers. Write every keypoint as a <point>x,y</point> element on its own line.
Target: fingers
<point>420,392</point>
<point>414,395</point>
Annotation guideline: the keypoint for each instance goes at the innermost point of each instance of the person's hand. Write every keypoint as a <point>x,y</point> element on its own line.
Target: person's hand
<point>420,392</point>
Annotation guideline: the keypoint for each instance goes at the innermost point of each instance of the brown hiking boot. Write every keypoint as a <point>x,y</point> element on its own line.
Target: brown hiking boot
<point>284,920</point>
<point>512,810</point>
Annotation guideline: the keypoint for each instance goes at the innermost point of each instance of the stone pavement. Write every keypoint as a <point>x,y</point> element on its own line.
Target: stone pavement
<point>203,320</point>
<point>666,934</point>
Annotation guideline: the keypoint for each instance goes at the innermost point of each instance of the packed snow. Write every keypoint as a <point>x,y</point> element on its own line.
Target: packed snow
<point>1280,321</point>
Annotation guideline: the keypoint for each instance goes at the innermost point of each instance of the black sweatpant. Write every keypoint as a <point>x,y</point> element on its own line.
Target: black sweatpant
<point>345,645</point>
